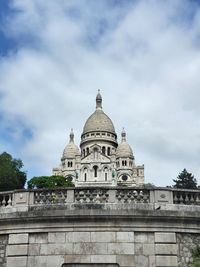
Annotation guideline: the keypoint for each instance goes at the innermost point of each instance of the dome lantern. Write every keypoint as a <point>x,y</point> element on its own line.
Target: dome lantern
<point>71,136</point>
<point>123,134</point>
<point>98,100</point>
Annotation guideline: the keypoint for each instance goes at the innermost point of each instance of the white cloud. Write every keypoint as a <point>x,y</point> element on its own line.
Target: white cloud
<point>144,56</point>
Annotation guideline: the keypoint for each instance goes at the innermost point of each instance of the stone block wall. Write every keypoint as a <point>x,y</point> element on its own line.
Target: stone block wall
<point>144,249</point>
<point>186,243</point>
<point>3,244</point>
<point>126,248</point>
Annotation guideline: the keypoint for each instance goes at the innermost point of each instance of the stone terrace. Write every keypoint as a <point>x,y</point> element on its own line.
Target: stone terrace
<point>136,227</point>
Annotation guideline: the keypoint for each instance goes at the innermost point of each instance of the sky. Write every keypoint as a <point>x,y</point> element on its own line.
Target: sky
<point>144,55</point>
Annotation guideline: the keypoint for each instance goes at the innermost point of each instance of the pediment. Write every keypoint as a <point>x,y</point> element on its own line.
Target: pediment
<point>95,145</point>
<point>96,158</point>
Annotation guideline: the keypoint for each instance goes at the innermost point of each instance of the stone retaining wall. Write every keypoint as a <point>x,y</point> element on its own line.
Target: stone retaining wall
<point>121,234</point>
<point>3,244</point>
<point>186,243</point>
<point>125,248</point>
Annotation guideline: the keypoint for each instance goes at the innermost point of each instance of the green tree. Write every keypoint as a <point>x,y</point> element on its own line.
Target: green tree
<point>185,180</point>
<point>196,257</point>
<point>11,175</point>
<point>196,263</point>
<point>49,182</point>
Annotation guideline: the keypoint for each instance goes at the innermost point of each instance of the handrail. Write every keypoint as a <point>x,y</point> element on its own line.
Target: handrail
<point>117,195</point>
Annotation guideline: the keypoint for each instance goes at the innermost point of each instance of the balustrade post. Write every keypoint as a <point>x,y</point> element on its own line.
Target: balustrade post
<point>112,196</point>
<point>152,196</point>
<point>31,198</point>
<point>20,198</point>
<point>164,196</point>
<point>70,195</point>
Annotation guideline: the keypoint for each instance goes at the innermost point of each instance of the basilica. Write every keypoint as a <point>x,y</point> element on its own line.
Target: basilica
<point>100,161</point>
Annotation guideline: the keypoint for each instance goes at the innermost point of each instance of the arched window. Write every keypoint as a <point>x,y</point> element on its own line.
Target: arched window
<point>69,178</point>
<point>106,176</point>
<point>83,152</point>
<point>125,163</point>
<point>95,170</point>
<point>87,150</point>
<point>69,164</point>
<point>122,163</point>
<point>95,150</point>
<point>85,177</point>
<point>108,151</point>
<point>103,150</point>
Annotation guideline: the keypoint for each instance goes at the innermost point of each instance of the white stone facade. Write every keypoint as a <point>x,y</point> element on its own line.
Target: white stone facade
<point>100,160</point>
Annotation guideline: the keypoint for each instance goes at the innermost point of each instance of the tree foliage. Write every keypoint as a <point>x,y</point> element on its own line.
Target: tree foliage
<point>11,175</point>
<point>185,180</point>
<point>196,257</point>
<point>49,182</point>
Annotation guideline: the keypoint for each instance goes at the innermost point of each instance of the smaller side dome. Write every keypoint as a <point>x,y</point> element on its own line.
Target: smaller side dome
<point>71,150</point>
<point>124,150</point>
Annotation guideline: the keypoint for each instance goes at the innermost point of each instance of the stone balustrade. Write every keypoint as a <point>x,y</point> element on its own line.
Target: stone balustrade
<point>6,198</point>
<point>119,195</point>
<point>186,197</point>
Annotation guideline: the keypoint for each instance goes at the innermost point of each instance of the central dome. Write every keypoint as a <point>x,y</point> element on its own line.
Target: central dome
<point>99,121</point>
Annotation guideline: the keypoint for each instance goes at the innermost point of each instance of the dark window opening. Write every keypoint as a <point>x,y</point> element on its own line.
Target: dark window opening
<point>69,178</point>
<point>95,170</point>
<point>124,177</point>
<point>69,164</point>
